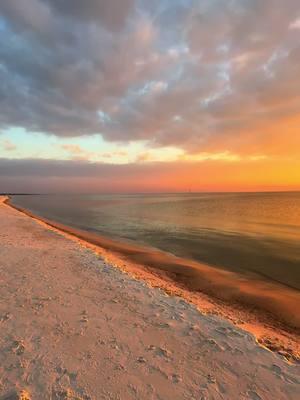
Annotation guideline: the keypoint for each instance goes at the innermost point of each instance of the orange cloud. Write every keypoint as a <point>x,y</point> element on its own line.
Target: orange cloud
<point>8,145</point>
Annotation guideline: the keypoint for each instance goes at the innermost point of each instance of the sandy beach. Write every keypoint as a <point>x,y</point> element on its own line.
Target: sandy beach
<point>74,326</point>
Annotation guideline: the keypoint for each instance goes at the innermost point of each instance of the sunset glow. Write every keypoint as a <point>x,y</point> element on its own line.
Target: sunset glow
<point>181,95</point>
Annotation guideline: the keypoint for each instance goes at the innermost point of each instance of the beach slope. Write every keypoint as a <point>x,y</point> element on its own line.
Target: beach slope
<point>75,327</point>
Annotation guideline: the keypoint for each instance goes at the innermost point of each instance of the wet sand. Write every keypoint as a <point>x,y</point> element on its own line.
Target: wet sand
<point>73,326</point>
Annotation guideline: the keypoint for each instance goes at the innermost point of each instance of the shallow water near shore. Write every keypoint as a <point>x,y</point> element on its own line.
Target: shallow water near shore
<point>249,233</point>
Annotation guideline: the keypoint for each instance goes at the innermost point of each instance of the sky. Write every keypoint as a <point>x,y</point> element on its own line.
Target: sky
<point>149,96</point>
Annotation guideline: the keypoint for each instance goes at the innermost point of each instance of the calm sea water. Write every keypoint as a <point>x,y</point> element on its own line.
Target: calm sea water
<point>248,233</point>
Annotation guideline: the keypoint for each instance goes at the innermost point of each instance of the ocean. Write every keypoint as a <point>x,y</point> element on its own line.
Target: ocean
<point>253,234</point>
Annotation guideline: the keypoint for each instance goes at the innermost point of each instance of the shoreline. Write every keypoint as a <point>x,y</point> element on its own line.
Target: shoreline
<point>74,327</point>
<point>270,330</point>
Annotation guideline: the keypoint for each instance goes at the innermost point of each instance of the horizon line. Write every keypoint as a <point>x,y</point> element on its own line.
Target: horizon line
<point>148,193</point>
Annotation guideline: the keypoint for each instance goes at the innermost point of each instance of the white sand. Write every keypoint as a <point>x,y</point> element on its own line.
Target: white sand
<point>74,327</point>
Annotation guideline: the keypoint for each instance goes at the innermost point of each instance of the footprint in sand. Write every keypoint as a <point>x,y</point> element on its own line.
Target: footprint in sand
<point>253,395</point>
<point>213,344</point>
<point>276,369</point>
<point>227,331</point>
<point>176,378</point>
<point>18,347</point>
<point>5,317</point>
<point>84,317</point>
<point>160,351</point>
<point>211,378</point>
<point>68,394</point>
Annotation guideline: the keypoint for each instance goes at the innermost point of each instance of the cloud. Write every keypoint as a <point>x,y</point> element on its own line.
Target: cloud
<point>72,148</point>
<point>295,24</point>
<point>33,15</point>
<point>8,145</point>
<point>35,175</point>
<point>208,75</point>
<point>78,153</point>
<point>112,14</point>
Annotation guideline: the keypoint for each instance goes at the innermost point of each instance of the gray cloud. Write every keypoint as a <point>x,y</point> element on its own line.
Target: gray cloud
<point>112,14</point>
<point>53,176</point>
<point>181,72</point>
<point>38,176</point>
